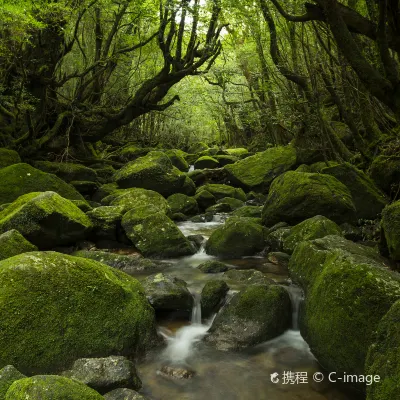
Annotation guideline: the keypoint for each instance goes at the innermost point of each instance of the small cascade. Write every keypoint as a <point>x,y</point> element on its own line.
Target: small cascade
<point>296,296</point>
<point>196,311</point>
<point>191,168</point>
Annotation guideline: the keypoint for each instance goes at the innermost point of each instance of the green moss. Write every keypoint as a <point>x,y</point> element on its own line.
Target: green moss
<point>296,196</point>
<point>180,203</point>
<point>67,171</point>
<point>154,234</point>
<point>220,191</point>
<point>73,307</point>
<point>248,211</point>
<point>233,203</point>
<point>384,357</point>
<point>106,221</point>
<point>367,198</point>
<point>19,179</point>
<point>391,228</point>
<point>312,228</point>
<point>225,159</point>
<point>212,295</point>
<point>177,158</point>
<point>238,237</point>
<point>104,191</point>
<point>213,267</point>
<point>385,171</point>
<point>8,157</point>
<point>239,152</point>
<point>8,375</point>
<point>45,219</point>
<point>13,243</point>
<point>197,147</point>
<point>205,199</point>
<point>132,152</point>
<point>206,162</point>
<point>50,387</point>
<point>82,205</point>
<point>258,171</point>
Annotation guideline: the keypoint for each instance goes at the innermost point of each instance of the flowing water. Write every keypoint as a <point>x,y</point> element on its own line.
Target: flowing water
<point>217,375</point>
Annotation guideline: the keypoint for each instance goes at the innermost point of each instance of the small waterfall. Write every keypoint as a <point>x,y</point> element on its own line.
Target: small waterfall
<point>191,168</point>
<point>296,296</point>
<point>196,311</point>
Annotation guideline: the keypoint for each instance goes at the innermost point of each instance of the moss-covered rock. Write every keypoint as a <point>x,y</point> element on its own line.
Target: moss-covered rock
<point>50,387</point>
<point>212,297</point>
<point>296,196</point>
<point>132,152</point>
<point>8,157</point>
<point>68,171</point>
<point>275,239</point>
<point>254,315</point>
<point>238,152</point>
<point>247,277</point>
<point>13,243</point>
<point>206,162</point>
<point>104,191</point>
<point>177,158</point>
<point>45,219</point>
<point>385,171</point>
<point>204,176</point>
<point>258,171</point>
<point>8,375</point>
<point>82,205</point>
<point>130,264</point>
<point>391,229</point>
<point>154,234</point>
<point>367,198</point>
<point>197,147</point>
<point>153,172</point>
<point>19,179</point>
<point>312,228</point>
<point>204,199</point>
<point>348,291</point>
<point>180,203</point>
<point>226,159</point>
<point>168,293</point>
<point>238,237</point>
<point>213,267</point>
<point>384,357</point>
<point>248,211</point>
<point>73,307</point>
<point>85,188</point>
<point>233,203</point>
<point>106,221</point>
<point>220,191</point>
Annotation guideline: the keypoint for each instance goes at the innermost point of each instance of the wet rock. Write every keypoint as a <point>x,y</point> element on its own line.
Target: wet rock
<point>176,372</point>
<point>106,222</point>
<point>105,374</point>
<point>391,229</point>
<point>274,241</point>
<point>179,217</point>
<point>234,203</point>
<point>46,220</point>
<point>207,217</point>
<point>254,315</point>
<point>168,293</point>
<point>180,203</point>
<point>247,276</point>
<point>8,375</point>
<point>219,208</point>
<point>296,196</point>
<point>13,243</point>
<point>124,394</point>
<point>256,198</point>
<point>248,211</point>
<point>212,297</point>
<point>205,199</point>
<point>213,267</point>
<point>197,240</point>
<point>279,258</point>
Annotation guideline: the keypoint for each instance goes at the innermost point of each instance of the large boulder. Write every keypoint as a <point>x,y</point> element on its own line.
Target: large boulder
<point>50,387</point>
<point>348,290</point>
<point>180,203</point>
<point>219,191</point>
<point>153,172</point>
<point>296,196</point>
<point>8,157</point>
<point>383,358</point>
<point>204,199</point>
<point>177,158</point>
<point>68,171</point>
<point>154,234</point>
<point>385,171</point>
<point>367,198</point>
<point>212,296</point>
<point>73,307</point>
<point>391,229</point>
<point>206,162</point>
<point>106,222</point>
<point>312,228</point>
<point>238,152</point>
<point>258,171</point>
<point>8,375</point>
<point>238,237</point>
<point>13,243</point>
<point>198,147</point>
<point>254,315</point>
<point>105,374</point>
<point>19,179</point>
<point>45,219</point>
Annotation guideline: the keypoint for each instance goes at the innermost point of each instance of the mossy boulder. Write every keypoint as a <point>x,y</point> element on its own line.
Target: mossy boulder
<point>45,219</point>
<point>8,375</point>
<point>248,211</point>
<point>385,171</point>
<point>68,171</point>
<point>247,277</point>
<point>106,222</point>
<point>153,172</point>
<point>275,238</point>
<point>258,171</point>
<point>391,229</point>
<point>19,179</point>
<point>206,162</point>
<point>132,152</point>
<point>8,157</point>
<point>254,315</point>
<point>367,198</point>
<point>197,147</point>
<point>296,196</point>
<point>13,243</point>
<point>348,290</point>
<point>50,387</point>
<point>104,191</point>
<point>383,357</point>
<point>168,293</point>
<point>238,152</point>
<point>232,202</point>
<point>219,191</point>
<point>213,267</point>
<point>85,188</point>
<point>180,203</point>
<point>226,159</point>
<point>178,160</point>
<point>238,237</point>
<point>204,199</point>
<point>154,234</point>
<point>73,307</point>
<point>212,296</point>
<point>312,228</point>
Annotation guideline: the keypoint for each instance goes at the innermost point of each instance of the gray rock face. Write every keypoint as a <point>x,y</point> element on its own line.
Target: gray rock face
<point>124,394</point>
<point>105,374</point>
